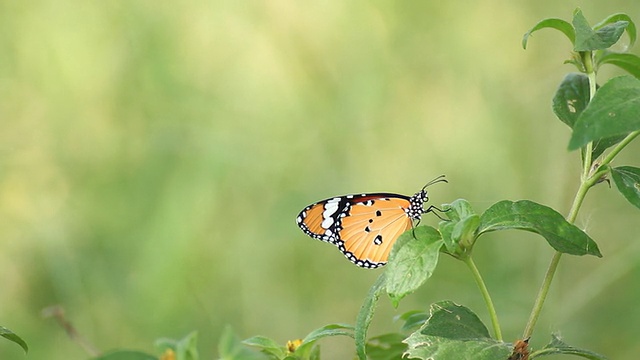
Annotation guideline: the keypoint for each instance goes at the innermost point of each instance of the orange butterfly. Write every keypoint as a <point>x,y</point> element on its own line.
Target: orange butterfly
<point>365,227</point>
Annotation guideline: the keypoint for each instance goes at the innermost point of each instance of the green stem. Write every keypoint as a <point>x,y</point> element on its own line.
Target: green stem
<point>542,295</point>
<point>497,333</point>
<point>553,266</point>
<point>587,59</point>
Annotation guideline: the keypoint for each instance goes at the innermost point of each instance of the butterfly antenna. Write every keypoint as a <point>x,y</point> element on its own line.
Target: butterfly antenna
<point>440,178</point>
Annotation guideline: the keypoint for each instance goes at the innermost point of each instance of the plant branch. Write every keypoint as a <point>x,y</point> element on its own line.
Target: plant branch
<point>57,312</point>
<point>542,295</point>
<point>497,333</point>
<point>553,266</point>
<point>587,59</point>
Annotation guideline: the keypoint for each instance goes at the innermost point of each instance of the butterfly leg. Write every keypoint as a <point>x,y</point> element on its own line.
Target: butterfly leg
<point>436,210</point>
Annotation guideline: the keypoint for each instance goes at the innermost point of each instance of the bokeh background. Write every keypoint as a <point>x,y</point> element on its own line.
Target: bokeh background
<point>153,157</point>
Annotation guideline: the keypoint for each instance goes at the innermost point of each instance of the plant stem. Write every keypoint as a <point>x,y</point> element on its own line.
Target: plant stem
<point>497,333</point>
<point>587,58</point>
<point>553,266</point>
<point>542,295</point>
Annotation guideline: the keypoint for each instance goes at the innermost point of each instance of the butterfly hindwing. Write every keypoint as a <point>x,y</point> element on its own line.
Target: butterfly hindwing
<point>322,220</point>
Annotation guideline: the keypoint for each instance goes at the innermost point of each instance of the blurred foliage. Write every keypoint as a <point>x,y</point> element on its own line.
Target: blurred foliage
<point>153,158</point>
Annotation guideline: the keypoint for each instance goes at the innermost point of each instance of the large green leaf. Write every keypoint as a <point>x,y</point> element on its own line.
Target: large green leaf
<point>627,179</point>
<point>412,260</point>
<point>10,335</point>
<point>365,315</point>
<point>557,24</point>
<point>613,111</point>
<point>530,216</point>
<point>588,39</point>
<point>454,332</point>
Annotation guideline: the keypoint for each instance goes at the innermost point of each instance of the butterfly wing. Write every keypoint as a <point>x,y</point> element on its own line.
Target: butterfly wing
<point>372,226</point>
<point>322,220</point>
<point>364,227</point>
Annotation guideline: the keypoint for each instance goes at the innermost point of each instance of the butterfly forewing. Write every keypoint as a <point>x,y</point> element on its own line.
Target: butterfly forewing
<point>371,228</point>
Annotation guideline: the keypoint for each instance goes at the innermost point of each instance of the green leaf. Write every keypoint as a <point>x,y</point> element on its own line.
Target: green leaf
<point>325,331</point>
<point>557,346</point>
<point>450,320</point>
<point>627,180</point>
<point>185,348</point>
<point>613,111</point>
<point>230,348</point>
<point>459,227</point>
<point>530,216</point>
<point>631,28</point>
<point>557,24</point>
<point>465,230</point>
<point>627,62</point>
<point>307,347</point>
<point>589,40</point>
<point>412,260</point>
<point>266,345</point>
<point>365,315</point>
<point>571,98</point>
<point>454,332</point>
<point>329,330</point>
<point>459,209</point>
<point>11,336</point>
<point>386,347</point>
<point>126,355</point>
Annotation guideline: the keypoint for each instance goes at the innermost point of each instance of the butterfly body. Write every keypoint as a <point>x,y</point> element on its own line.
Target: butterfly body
<point>364,227</point>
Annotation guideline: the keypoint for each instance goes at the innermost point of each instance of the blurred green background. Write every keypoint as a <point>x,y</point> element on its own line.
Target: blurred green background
<point>153,157</point>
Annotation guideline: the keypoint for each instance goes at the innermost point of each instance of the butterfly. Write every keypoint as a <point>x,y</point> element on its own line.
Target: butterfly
<point>364,227</point>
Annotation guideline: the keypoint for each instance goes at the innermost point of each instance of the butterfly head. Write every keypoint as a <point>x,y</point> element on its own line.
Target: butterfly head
<point>416,202</point>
